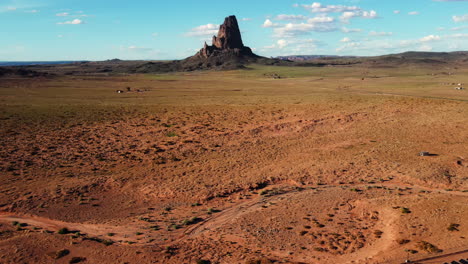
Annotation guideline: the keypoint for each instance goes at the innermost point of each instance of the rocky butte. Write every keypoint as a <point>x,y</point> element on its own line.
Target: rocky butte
<point>227,50</point>
<point>228,41</point>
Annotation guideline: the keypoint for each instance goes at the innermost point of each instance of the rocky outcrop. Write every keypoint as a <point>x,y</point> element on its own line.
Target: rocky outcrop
<point>226,52</point>
<point>227,42</point>
<point>229,36</point>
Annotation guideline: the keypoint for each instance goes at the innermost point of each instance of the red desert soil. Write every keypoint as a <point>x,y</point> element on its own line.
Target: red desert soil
<point>233,167</point>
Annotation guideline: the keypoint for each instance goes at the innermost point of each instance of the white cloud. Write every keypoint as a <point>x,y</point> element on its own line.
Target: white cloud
<point>430,38</point>
<point>345,40</point>
<point>320,19</point>
<point>380,34</point>
<point>154,34</point>
<point>269,24</point>
<point>413,13</point>
<point>24,6</point>
<point>350,30</point>
<point>62,14</point>
<point>459,28</point>
<point>458,36</point>
<point>396,11</point>
<point>319,8</point>
<point>282,43</point>
<point>246,19</point>
<point>425,48</point>
<point>291,29</point>
<point>349,45</point>
<point>291,46</point>
<point>346,16</point>
<point>462,18</point>
<point>138,49</point>
<point>72,22</point>
<point>203,31</point>
<point>273,46</point>
<point>290,17</point>
<point>321,23</point>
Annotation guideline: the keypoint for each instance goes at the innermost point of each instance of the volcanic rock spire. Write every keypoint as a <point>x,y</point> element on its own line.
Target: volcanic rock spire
<point>228,41</point>
<point>229,36</point>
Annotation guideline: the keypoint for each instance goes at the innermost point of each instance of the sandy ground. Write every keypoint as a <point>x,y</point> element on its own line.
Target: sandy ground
<point>234,168</point>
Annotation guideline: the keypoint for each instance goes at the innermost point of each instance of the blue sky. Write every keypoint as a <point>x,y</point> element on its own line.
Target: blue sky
<point>175,29</point>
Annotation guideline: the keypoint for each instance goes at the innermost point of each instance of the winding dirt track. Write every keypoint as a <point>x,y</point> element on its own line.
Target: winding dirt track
<point>219,219</point>
<point>92,230</point>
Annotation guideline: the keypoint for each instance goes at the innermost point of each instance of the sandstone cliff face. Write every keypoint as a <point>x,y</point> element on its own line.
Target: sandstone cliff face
<point>227,42</point>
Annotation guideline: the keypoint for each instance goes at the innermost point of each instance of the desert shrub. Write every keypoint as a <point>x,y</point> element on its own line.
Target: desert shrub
<point>259,261</point>
<point>76,260</point>
<point>173,227</point>
<point>155,227</point>
<point>107,242</point>
<point>272,192</point>
<point>146,219</point>
<point>426,246</point>
<point>402,241</point>
<point>212,210</point>
<point>61,253</point>
<point>202,261</point>
<point>405,210</point>
<point>191,221</point>
<point>453,227</point>
<point>63,231</point>
<point>171,134</point>
<point>378,233</point>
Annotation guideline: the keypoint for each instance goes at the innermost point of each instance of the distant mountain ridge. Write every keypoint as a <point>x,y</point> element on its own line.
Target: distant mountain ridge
<point>405,56</point>
<point>229,59</point>
<point>27,63</point>
<point>310,57</point>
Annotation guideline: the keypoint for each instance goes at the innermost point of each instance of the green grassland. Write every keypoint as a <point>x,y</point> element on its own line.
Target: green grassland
<point>88,96</point>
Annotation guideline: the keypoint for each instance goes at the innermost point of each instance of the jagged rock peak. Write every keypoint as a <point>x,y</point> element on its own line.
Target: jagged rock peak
<point>228,41</point>
<point>229,36</point>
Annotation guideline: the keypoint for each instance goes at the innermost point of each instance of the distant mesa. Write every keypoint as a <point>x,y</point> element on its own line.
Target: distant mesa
<point>20,72</point>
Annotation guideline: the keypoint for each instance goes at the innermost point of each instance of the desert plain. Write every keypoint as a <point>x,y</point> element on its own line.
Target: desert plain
<point>267,164</point>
